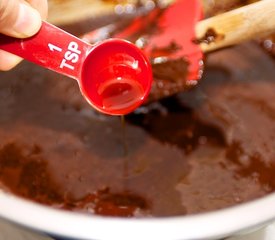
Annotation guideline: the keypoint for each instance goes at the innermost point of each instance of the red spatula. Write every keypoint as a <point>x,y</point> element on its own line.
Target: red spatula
<point>114,76</point>
<point>171,35</point>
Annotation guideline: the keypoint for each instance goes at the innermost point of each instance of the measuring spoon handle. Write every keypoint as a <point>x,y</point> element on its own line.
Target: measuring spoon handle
<point>51,48</point>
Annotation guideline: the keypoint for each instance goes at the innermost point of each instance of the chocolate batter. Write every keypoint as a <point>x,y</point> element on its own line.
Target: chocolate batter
<point>209,148</point>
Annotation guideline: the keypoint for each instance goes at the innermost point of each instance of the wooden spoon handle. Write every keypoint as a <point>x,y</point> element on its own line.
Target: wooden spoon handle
<point>233,27</point>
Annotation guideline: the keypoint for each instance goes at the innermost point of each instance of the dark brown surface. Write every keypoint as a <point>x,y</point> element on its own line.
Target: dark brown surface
<point>206,149</point>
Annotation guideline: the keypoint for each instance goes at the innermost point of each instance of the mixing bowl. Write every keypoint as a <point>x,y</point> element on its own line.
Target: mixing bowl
<point>233,221</point>
<point>215,224</point>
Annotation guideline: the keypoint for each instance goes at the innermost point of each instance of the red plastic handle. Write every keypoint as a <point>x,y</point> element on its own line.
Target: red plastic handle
<point>51,48</point>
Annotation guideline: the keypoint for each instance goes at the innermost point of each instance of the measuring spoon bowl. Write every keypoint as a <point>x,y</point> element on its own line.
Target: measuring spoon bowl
<point>120,80</point>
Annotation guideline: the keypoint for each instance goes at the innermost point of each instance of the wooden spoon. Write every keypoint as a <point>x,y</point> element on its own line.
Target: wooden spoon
<point>242,24</point>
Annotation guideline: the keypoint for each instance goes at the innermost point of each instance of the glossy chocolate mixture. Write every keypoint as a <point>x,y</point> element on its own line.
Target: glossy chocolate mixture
<point>205,149</point>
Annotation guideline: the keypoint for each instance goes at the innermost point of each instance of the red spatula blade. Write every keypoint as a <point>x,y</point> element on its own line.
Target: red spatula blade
<point>164,34</point>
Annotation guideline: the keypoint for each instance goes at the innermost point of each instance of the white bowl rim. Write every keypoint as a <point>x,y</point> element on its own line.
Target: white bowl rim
<point>216,224</point>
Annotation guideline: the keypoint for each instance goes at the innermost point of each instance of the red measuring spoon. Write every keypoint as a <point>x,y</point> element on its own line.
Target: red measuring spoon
<point>114,76</point>
<point>163,34</point>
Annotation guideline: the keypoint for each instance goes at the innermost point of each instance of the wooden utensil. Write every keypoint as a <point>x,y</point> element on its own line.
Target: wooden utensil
<point>242,24</point>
